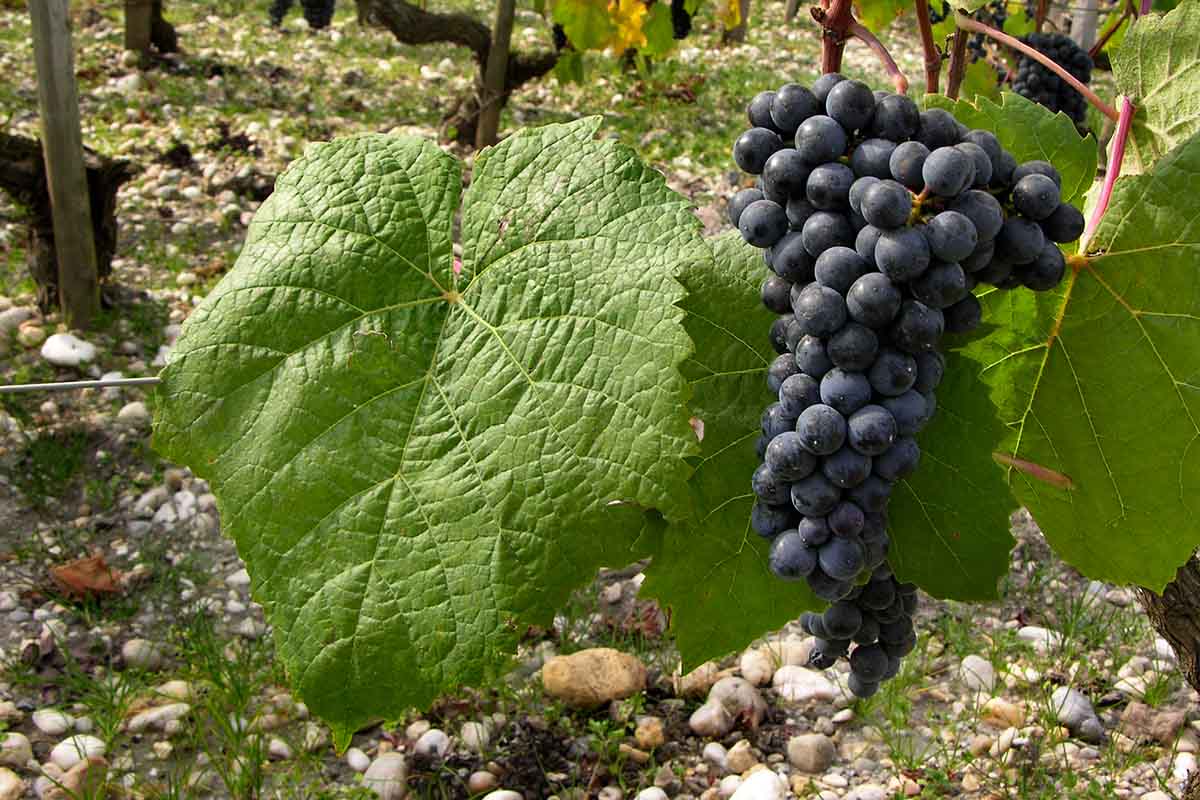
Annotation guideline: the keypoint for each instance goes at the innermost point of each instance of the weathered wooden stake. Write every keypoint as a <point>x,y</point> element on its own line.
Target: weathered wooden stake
<point>139,18</point>
<point>491,95</point>
<point>62,144</point>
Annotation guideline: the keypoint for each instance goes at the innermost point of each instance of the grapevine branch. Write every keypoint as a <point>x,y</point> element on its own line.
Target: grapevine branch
<point>835,18</point>
<point>933,59</point>
<point>1112,29</point>
<point>958,64</point>
<point>1114,170</point>
<point>966,23</point>
<point>858,31</point>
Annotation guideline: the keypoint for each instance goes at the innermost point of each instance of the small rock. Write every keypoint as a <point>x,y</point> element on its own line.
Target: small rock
<point>134,413</point>
<point>729,784</point>
<point>1003,713</point>
<point>433,743</point>
<point>158,717</point>
<point>592,677</point>
<point>1042,639</point>
<point>475,736</point>
<point>9,713</point>
<point>130,84</point>
<point>740,757</point>
<point>711,720</point>
<point>1183,766</point>
<point>11,786</point>
<point>481,781</point>
<point>1163,650</point>
<point>142,654</point>
<point>85,779</point>
<point>176,690</point>
<point>31,335</point>
<point>811,752</point>
<point>358,761</point>
<point>977,674</point>
<point>843,716</point>
<point>980,743</point>
<point>1074,710</point>
<point>387,776</point>
<point>65,350</point>
<point>75,749</point>
<point>503,794</point>
<point>1135,685</point>
<point>757,666</point>
<point>416,729</point>
<point>741,699</point>
<point>715,754</point>
<point>633,754</point>
<point>698,681</point>
<point>801,685</point>
<point>238,580</point>
<point>11,318</point>
<point>652,793</point>
<point>15,750</point>
<point>278,749</point>
<point>762,785</point>
<point>53,722</point>
<point>1140,721</point>
<point>9,602</point>
<point>649,733</point>
<point>1003,743</point>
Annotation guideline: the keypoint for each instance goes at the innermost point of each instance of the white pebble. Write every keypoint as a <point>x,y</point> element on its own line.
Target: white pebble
<point>65,350</point>
<point>433,743</point>
<point>71,751</point>
<point>52,722</point>
<point>357,760</point>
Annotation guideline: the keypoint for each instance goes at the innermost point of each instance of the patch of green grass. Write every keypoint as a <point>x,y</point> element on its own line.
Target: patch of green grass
<point>50,463</point>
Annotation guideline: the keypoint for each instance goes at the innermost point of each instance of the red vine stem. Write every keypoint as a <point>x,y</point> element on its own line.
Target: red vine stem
<point>835,18</point>
<point>966,23</point>
<point>1114,170</point>
<point>1108,34</point>
<point>1039,16</point>
<point>899,80</point>
<point>933,59</point>
<point>958,64</point>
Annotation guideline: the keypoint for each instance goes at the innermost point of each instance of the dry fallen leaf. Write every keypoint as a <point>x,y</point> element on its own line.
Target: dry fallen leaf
<point>86,577</point>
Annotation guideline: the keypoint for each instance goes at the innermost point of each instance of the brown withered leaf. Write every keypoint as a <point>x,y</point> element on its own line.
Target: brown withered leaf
<point>87,577</point>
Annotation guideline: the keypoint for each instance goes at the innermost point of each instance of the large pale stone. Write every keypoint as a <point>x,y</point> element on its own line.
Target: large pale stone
<point>593,677</point>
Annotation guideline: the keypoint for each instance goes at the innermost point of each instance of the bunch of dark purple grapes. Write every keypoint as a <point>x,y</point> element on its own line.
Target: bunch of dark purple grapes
<point>877,221</point>
<point>1041,85</point>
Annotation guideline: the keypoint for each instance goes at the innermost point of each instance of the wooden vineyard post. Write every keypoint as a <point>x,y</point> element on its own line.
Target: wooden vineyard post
<point>62,145</point>
<point>495,73</point>
<point>139,17</point>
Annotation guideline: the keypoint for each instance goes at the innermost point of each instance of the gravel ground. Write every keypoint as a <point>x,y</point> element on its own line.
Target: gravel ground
<point>127,635</point>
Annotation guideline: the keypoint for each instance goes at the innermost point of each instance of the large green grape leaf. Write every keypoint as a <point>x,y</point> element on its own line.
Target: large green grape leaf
<point>1100,383</point>
<point>878,14</point>
<point>949,522</point>
<point>1030,131</point>
<point>413,462</point>
<point>1158,66</point>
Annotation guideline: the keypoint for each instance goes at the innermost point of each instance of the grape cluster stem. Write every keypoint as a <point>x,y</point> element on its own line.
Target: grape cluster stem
<point>967,23</point>
<point>860,32</point>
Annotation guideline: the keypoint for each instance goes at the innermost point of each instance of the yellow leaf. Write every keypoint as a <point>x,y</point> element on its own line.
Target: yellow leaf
<point>731,14</point>
<point>627,18</point>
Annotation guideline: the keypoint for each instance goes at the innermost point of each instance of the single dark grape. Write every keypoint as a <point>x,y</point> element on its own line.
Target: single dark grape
<point>754,147</point>
<point>813,531</point>
<point>871,430</point>
<point>790,559</point>
<point>1020,241</point>
<point>948,171</point>
<point>902,254</point>
<point>778,333</point>
<point>857,189</point>
<point>763,223</point>
<point>940,286</point>
<point>769,487</point>
<point>917,327</point>
<point>865,241</point>
<point>931,367</point>
<point>964,316</point>
<point>846,519</point>
<point>872,494</point>
<point>828,186</point>
<point>845,391</point>
<point>980,257</point>
<point>775,421</point>
<point>868,663</point>
<point>851,104</point>
<point>826,229</point>
<point>789,259</point>
<point>896,118</point>
<point>1046,271</point>
<point>798,212</point>
<point>853,347</point>
<point>898,461</point>
<point>886,205</point>
<point>951,236</point>
<point>769,521</point>
<point>798,393</point>
<point>842,558</point>
<point>819,310</point>
<point>983,210</point>
<point>740,201</point>
<point>758,110</point>
<point>910,410</point>
<point>822,428</point>
<point>871,158</point>
<point>788,459</point>
<point>842,619</point>
<point>983,164</point>
<point>777,294</point>
<point>815,496</point>
<point>839,267</point>
<point>893,373</point>
<point>820,139</point>
<point>784,174</point>
<point>907,164</point>
<point>1064,225</point>
<point>1036,196</point>
<point>824,84</point>
<point>782,368</point>
<point>811,357</point>
<point>792,105</point>
<point>1038,167</point>
<point>846,468</point>
<point>873,300</point>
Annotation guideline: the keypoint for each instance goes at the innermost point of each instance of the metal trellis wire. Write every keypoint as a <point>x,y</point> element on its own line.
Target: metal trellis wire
<point>112,383</point>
